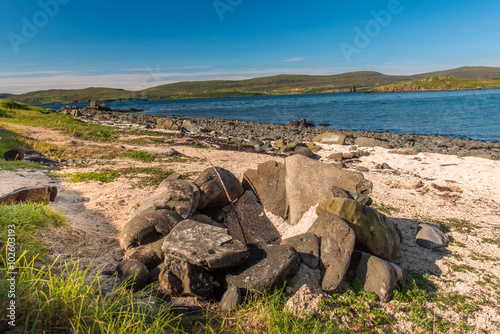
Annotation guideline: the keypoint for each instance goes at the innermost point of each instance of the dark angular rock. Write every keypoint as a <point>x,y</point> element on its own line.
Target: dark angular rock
<point>133,274</point>
<point>205,246</point>
<point>337,242</point>
<point>247,221</point>
<point>268,183</point>
<point>213,194</point>
<point>304,151</point>
<point>268,267</point>
<point>180,278</point>
<point>307,245</point>
<point>146,227</point>
<point>44,194</point>
<point>151,254</point>
<point>431,237</point>
<point>13,155</point>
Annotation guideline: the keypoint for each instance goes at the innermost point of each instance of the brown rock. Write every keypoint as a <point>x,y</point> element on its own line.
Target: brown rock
<point>180,278</point>
<point>268,183</point>
<point>43,195</point>
<point>214,194</point>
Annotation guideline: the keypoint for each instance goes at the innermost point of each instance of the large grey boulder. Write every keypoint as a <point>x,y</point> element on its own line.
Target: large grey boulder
<point>41,194</point>
<point>375,274</point>
<point>268,267</point>
<point>431,237</point>
<point>206,246</point>
<point>176,194</point>
<point>337,242</point>
<point>307,245</point>
<point>213,192</point>
<point>146,227</point>
<point>247,221</point>
<point>309,181</point>
<point>150,254</point>
<point>181,278</point>
<point>268,183</point>
<point>372,228</point>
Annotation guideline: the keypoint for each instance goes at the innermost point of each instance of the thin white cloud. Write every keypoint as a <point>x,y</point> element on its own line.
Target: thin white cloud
<point>32,73</point>
<point>291,60</point>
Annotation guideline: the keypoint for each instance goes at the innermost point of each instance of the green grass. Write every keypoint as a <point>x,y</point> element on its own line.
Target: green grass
<point>148,176</point>
<point>437,83</point>
<point>105,176</point>
<point>384,208</point>
<point>26,220</point>
<point>139,155</point>
<point>33,116</point>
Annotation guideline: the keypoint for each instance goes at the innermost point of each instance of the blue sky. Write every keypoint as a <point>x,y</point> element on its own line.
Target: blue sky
<point>134,45</point>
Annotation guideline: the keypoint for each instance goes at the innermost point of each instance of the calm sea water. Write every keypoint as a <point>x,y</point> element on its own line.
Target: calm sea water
<point>468,114</point>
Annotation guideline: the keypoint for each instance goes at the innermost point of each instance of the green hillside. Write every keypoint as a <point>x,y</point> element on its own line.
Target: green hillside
<point>438,83</point>
<point>274,85</point>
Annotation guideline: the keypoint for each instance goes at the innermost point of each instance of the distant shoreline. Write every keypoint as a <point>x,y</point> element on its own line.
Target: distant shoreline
<point>221,128</point>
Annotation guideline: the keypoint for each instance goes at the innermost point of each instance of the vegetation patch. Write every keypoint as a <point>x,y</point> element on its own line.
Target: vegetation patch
<point>27,219</point>
<point>384,208</point>
<point>105,176</point>
<point>139,155</point>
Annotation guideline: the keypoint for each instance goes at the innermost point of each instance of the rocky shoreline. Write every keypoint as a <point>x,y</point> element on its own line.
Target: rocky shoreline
<point>263,136</point>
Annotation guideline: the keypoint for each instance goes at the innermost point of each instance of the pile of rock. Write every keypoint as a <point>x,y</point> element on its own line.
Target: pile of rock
<point>211,238</point>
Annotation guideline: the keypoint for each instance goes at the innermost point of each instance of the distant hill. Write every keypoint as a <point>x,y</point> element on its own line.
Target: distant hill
<point>5,95</point>
<point>274,85</point>
<point>437,83</point>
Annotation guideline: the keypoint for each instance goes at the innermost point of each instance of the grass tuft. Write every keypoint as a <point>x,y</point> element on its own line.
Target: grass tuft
<point>140,156</point>
<point>27,219</point>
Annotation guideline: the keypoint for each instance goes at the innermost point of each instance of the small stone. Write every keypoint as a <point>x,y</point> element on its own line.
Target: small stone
<point>13,155</point>
<point>336,156</point>
<point>330,138</point>
<point>430,237</point>
<point>231,299</point>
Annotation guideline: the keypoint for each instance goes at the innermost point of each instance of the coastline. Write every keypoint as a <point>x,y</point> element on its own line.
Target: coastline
<point>245,132</point>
